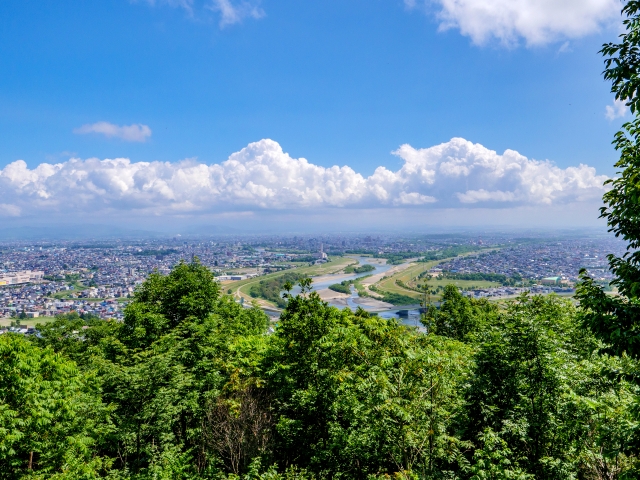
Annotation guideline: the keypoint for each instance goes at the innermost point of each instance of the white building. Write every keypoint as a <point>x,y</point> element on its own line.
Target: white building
<point>24,276</point>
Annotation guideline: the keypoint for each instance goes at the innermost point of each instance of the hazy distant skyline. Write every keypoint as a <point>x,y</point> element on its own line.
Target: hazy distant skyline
<point>157,113</point>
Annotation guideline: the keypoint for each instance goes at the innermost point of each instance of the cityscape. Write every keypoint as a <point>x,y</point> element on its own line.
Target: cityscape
<point>44,279</point>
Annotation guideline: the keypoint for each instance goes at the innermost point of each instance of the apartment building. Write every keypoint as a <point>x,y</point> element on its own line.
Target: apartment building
<point>24,276</point>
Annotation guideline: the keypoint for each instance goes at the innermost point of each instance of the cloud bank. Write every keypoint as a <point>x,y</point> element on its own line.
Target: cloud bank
<point>128,133</point>
<point>263,178</point>
<point>538,22</point>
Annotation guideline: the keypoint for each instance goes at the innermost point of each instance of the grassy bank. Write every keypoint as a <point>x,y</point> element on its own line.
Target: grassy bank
<point>404,282</point>
<point>242,288</point>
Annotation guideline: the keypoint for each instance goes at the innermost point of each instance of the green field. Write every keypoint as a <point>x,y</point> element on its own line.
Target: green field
<point>409,277</point>
<point>462,284</point>
<point>26,322</point>
<point>63,294</point>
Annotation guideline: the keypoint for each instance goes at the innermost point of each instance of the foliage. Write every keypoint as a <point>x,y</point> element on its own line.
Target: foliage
<point>51,413</point>
<point>540,398</point>
<point>179,345</point>
<point>394,298</point>
<point>356,395</point>
<point>345,286</point>
<point>459,317</point>
<point>340,288</point>
<point>74,335</point>
<point>361,269</point>
<point>615,318</point>
<point>181,350</point>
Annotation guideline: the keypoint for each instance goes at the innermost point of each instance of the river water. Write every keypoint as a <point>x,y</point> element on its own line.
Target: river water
<point>408,317</point>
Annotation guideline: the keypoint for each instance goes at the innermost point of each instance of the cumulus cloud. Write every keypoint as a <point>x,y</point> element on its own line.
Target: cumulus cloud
<point>538,22</point>
<point>129,133</point>
<point>617,110</point>
<point>231,12</point>
<point>262,177</point>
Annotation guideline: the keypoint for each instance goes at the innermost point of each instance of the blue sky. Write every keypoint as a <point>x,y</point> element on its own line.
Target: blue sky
<point>337,82</point>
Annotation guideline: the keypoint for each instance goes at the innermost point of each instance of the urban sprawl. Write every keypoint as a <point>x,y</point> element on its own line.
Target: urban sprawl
<point>44,279</point>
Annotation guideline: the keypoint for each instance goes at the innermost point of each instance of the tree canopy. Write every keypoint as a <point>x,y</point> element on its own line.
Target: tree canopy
<point>193,385</point>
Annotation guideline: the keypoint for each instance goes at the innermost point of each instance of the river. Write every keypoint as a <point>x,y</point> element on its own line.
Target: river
<point>408,317</point>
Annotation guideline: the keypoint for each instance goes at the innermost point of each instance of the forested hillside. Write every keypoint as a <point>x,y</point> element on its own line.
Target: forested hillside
<point>191,386</point>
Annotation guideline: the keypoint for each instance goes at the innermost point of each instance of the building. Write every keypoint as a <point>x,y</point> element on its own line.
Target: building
<point>24,276</point>
<point>551,281</point>
<point>222,278</point>
<point>321,255</point>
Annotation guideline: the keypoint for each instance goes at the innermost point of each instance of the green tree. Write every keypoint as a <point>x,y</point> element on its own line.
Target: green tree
<point>52,420</point>
<point>164,302</point>
<point>74,336</point>
<point>460,317</point>
<point>615,319</point>
<point>355,395</point>
<point>180,348</point>
<point>181,351</point>
<point>543,404</point>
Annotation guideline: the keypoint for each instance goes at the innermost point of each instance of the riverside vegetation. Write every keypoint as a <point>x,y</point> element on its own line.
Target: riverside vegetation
<point>192,386</point>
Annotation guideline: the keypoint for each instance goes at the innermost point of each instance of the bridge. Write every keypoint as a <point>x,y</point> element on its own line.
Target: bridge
<point>399,308</point>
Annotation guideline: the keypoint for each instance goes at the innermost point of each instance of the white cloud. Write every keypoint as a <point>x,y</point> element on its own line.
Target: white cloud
<point>565,47</point>
<point>129,133</point>
<point>617,110</point>
<point>261,177</point>
<point>234,12</point>
<point>475,196</point>
<point>538,22</point>
<point>414,198</point>
<point>230,11</point>
<point>187,5</point>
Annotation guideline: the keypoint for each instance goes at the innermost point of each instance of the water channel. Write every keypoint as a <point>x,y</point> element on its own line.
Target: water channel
<point>404,315</point>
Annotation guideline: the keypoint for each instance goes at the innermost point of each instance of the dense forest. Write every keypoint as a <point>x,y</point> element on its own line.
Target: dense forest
<point>192,386</point>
